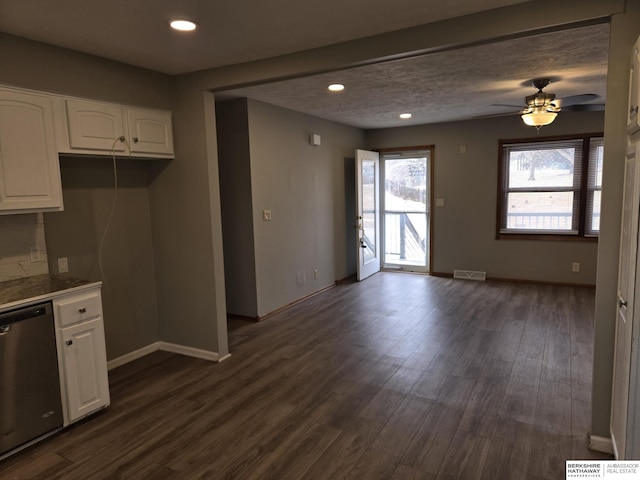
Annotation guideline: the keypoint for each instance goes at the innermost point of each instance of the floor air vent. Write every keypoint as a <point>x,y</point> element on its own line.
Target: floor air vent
<point>469,275</point>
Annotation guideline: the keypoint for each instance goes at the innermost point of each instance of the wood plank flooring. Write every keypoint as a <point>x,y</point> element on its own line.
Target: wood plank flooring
<point>398,377</point>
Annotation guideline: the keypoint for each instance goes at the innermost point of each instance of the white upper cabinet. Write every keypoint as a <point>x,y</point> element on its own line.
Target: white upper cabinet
<point>36,126</point>
<point>633,119</point>
<point>95,127</point>
<point>29,169</point>
<point>150,131</point>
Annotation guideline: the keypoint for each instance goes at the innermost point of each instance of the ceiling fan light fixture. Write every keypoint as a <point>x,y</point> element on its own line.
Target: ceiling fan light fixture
<point>539,117</point>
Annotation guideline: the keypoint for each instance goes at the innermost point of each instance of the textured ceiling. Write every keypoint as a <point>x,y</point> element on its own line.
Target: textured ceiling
<point>452,85</point>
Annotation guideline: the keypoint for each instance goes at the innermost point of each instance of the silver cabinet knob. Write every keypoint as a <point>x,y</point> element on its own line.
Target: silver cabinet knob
<point>82,310</point>
<point>69,342</point>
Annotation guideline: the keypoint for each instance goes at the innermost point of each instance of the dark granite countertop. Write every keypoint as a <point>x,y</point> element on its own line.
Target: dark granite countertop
<point>23,290</point>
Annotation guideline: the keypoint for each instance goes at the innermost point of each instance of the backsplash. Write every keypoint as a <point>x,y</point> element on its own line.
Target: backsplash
<point>23,252</point>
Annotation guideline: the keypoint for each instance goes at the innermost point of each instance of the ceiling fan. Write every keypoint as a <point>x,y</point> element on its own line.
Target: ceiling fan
<point>542,108</point>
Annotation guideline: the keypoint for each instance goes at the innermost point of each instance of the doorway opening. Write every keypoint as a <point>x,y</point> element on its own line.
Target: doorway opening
<point>406,191</point>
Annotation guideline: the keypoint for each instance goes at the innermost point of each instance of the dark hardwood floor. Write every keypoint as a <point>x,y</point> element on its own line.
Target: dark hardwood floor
<point>398,377</point>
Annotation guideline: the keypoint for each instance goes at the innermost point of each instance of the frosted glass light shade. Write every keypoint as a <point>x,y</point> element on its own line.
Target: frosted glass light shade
<point>538,119</point>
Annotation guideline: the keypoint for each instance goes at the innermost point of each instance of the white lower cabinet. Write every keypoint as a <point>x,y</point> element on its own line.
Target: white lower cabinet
<point>82,355</point>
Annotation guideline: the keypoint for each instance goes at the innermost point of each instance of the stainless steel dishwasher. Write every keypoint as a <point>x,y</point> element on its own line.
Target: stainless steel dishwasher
<point>30,404</point>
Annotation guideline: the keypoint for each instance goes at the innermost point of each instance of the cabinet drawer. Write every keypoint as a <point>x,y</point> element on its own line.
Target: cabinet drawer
<point>77,308</point>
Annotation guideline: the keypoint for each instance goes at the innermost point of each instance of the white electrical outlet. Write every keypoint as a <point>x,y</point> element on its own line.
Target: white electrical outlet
<point>575,267</point>
<point>266,215</point>
<point>315,274</point>
<point>63,265</point>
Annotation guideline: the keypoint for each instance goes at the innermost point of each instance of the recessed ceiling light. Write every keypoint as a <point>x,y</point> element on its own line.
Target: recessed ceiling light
<point>336,87</point>
<point>405,115</point>
<point>182,25</point>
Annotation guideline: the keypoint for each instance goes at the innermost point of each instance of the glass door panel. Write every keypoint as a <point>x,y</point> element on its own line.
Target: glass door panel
<point>406,212</point>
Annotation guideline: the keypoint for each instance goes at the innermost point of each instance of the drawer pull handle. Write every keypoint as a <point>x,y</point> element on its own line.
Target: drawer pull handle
<point>69,342</point>
<point>82,310</point>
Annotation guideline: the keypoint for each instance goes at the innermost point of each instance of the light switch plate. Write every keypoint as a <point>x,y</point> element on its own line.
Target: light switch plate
<point>63,265</point>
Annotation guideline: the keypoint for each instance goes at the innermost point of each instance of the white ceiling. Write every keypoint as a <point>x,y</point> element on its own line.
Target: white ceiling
<point>438,87</point>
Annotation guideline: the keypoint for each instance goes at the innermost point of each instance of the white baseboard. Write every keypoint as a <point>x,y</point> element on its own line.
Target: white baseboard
<point>190,351</point>
<point>601,444</point>
<point>614,445</point>
<point>131,356</point>
<point>167,347</point>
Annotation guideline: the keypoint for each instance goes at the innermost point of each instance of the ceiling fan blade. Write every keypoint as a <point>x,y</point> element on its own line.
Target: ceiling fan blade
<point>588,107</point>
<point>505,105</point>
<point>575,99</point>
<point>494,115</point>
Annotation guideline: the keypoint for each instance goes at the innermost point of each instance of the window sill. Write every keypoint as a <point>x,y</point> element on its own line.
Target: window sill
<point>546,237</point>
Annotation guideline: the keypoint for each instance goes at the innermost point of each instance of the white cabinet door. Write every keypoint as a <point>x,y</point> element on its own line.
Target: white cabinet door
<point>95,126</point>
<point>85,368</point>
<point>29,169</point>
<point>150,131</point>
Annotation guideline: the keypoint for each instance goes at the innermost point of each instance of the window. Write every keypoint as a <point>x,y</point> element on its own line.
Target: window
<point>550,188</point>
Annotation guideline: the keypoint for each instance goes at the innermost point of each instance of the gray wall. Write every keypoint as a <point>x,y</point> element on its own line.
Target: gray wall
<point>465,227</point>
<point>129,301</point>
<point>187,230</point>
<point>237,207</point>
<point>267,163</point>
<point>128,273</point>
<point>304,188</point>
<point>183,202</point>
<point>39,66</point>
